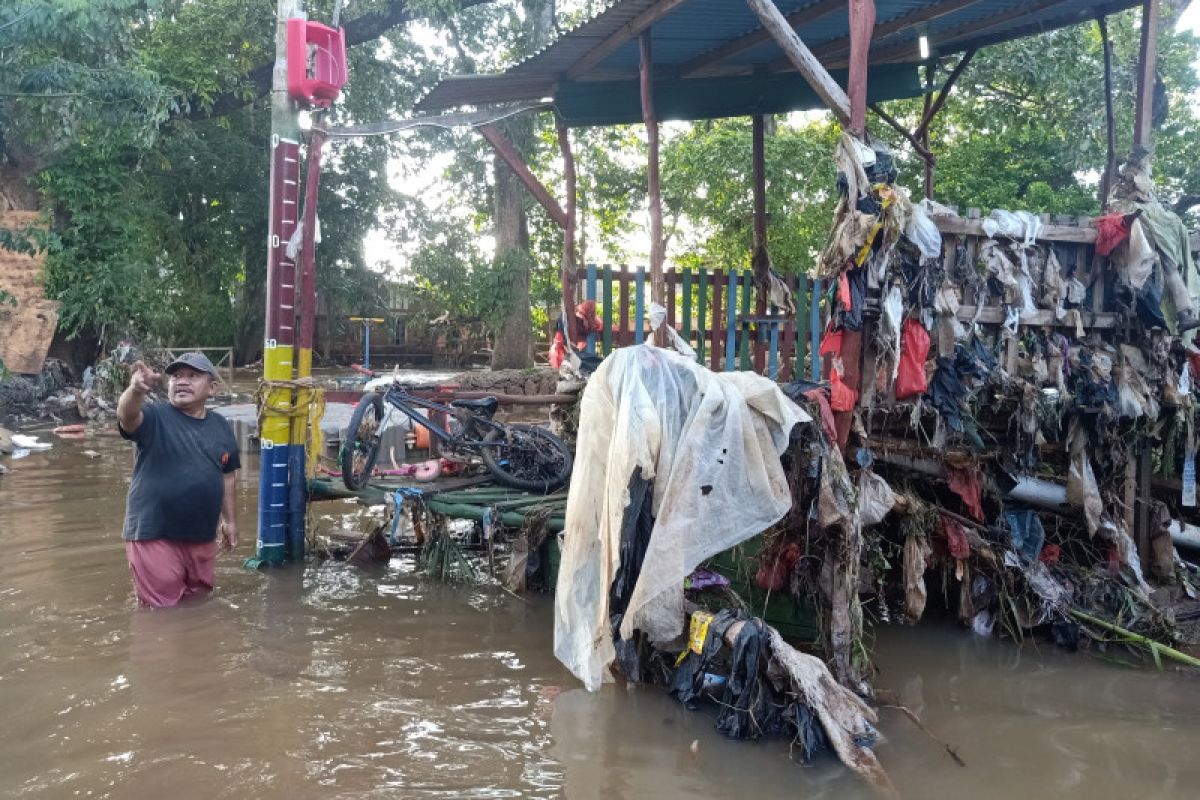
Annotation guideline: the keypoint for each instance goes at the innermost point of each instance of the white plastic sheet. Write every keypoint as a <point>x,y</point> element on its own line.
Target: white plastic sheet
<point>922,232</point>
<point>711,442</point>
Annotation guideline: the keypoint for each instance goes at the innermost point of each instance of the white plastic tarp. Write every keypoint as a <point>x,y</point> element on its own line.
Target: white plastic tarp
<point>711,442</point>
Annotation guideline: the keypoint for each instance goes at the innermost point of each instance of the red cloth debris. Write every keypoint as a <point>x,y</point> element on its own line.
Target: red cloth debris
<point>966,484</point>
<point>1050,554</point>
<point>818,397</point>
<point>558,350</point>
<point>914,350</point>
<point>956,537</point>
<point>831,343</point>
<point>1111,230</point>
<point>841,396</point>
<point>844,298</point>
<point>586,321</point>
<point>774,571</point>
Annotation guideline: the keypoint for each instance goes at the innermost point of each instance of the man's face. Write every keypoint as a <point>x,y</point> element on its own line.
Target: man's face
<point>189,387</point>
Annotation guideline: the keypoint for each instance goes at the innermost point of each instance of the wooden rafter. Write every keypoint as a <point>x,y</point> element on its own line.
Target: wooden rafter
<point>630,30</point>
<point>509,154</point>
<point>922,16</point>
<point>936,105</point>
<point>970,31</point>
<point>755,38</point>
<point>1147,56</point>
<point>802,58</point>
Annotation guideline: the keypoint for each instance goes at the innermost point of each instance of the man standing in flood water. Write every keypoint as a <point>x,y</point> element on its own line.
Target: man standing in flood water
<point>184,482</point>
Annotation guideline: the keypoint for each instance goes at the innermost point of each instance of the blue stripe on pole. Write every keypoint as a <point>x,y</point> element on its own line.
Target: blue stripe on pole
<point>639,306</point>
<point>274,508</point>
<point>731,321</point>
<point>590,293</point>
<point>297,503</point>
<point>814,311</point>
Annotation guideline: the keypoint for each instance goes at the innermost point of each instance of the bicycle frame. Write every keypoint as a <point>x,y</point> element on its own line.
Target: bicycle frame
<point>401,399</point>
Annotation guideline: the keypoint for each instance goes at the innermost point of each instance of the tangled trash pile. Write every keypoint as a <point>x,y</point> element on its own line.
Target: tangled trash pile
<point>1005,432</point>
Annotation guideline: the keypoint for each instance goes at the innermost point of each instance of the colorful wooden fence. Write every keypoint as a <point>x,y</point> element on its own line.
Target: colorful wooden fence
<point>712,311</point>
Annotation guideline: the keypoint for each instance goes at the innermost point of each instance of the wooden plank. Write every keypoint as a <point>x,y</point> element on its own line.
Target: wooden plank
<point>1043,317</point>
<point>787,337</point>
<point>1049,233</point>
<point>639,306</point>
<point>718,309</point>
<point>802,58</point>
<point>800,334</point>
<point>653,189</point>
<point>687,306</point>
<point>742,330</point>
<point>862,20</point>
<point>773,353</point>
<point>672,279</point>
<point>731,320</point>
<point>608,309</point>
<point>1147,57</point>
<point>589,291</point>
<point>701,313</point>
<point>625,335</point>
<point>510,156</point>
<point>814,342</point>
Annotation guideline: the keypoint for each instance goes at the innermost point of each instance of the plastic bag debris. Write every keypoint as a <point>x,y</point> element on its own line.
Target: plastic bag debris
<point>914,351</point>
<point>922,232</point>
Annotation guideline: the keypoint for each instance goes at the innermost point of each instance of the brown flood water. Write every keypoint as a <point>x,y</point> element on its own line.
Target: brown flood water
<point>326,682</point>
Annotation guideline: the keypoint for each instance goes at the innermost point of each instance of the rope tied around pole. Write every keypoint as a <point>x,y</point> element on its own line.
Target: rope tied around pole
<point>307,401</point>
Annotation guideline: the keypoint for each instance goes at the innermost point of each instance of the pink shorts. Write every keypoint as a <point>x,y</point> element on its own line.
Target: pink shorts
<point>165,572</point>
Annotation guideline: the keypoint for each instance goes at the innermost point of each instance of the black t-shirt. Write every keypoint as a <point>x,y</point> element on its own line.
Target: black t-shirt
<point>178,477</point>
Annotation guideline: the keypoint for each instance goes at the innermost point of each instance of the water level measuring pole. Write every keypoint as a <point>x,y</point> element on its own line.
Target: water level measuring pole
<point>277,473</point>
<point>367,322</point>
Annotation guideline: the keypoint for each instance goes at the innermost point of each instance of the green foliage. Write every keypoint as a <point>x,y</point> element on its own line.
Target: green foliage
<point>1025,125</point>
<point>708,193</point>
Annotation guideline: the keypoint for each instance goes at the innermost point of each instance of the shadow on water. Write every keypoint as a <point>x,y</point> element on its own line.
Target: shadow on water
<point>332,682</point>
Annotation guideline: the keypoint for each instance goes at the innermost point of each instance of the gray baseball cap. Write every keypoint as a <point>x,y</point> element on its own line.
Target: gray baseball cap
<point>195,360</point>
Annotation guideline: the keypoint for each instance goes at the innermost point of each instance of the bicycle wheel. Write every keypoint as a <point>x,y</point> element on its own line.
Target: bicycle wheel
<point>362,442</point>
<point>527,457</point>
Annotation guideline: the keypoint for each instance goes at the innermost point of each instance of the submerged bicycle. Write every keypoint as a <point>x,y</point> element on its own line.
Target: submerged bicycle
<point>521,456</point>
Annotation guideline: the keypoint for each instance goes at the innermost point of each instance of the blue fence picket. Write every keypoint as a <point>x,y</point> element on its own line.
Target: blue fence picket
<point>639,304</point>
<point>589,291</point>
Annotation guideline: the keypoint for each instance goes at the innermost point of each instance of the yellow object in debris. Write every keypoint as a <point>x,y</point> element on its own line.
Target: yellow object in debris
<point>698,631</point>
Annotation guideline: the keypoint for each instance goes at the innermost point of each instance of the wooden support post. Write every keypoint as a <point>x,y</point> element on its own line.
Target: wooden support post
<point>760,261</point>
<point>510,156</point>
<point>1110,163</point>
<point>930,71</point>
<point>1147,58</point>
<point>936,105</point>
<point>862,22</point>
<point>803,60</point>
<point>567,272</point>
<point>658,292</point>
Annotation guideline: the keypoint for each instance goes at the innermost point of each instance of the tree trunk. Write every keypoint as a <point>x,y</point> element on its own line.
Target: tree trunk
<point>513,347</point>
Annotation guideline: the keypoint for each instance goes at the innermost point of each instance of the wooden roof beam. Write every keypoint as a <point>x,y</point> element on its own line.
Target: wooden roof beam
<point>512,157</point>
<point>627,32</point>
<point>841,47</point>
<point>802,58</point>
<point>971,31</point>
<point>755,38</point>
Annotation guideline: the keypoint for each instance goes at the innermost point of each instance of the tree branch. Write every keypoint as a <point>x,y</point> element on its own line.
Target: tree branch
<point>362,29</point>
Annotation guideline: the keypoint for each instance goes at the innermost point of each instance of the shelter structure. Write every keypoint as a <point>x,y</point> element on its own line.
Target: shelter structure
<point>656,60</point>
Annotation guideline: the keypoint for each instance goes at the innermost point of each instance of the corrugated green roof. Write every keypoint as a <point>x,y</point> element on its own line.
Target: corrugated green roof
<point>701,46</point>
